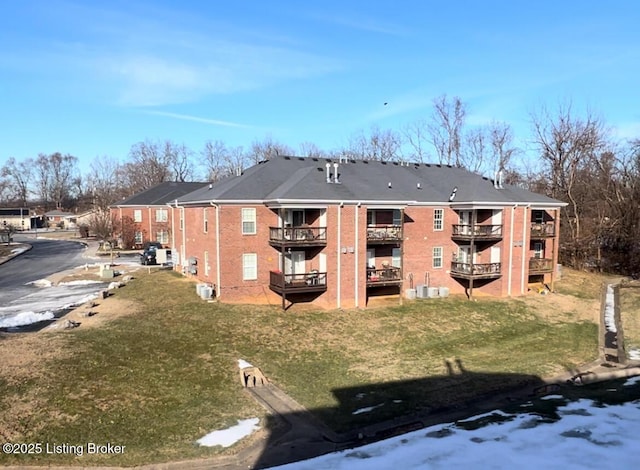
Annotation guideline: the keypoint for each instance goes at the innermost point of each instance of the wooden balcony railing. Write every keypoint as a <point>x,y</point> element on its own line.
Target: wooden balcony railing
<point>468,231</point>
<point>384,233</point>
<point>540,265</point>
<point>298,235</point>
<point>543,229</point>
<point>475,270</point>
<point>389,275</point>
<point>313,281</point>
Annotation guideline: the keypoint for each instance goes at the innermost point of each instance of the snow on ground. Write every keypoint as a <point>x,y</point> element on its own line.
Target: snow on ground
<point>228,437</point>
<point>82,282</point>
<point>45,300</point>
<point>17,251</point>
<point>242,364</point>
<point>586,435</point>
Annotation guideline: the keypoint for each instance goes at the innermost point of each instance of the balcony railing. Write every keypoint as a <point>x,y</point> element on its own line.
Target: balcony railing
<point>468,231</point>
<point>543,229</point>
<point>312,281</point>
<point>384,233</point>
<point>475,270</point>
<point>298,235</point>
<point>384,277</point>
<point>540,265</point>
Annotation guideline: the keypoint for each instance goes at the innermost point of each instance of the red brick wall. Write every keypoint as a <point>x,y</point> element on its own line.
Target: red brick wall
<point>148,225</point>
<point>346,252</point>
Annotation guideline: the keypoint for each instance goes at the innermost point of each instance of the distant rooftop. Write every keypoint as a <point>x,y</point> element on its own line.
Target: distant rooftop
<point>160,194</point>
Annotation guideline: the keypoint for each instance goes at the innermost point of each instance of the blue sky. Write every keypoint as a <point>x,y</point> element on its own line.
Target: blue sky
<point>93,78</point>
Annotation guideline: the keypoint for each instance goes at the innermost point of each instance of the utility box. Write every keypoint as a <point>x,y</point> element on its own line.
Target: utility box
<point>106,272</point>
<point>163,256</point>
<point>421,291</point>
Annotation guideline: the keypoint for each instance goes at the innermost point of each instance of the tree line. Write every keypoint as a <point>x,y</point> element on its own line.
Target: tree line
<point>569,156</point>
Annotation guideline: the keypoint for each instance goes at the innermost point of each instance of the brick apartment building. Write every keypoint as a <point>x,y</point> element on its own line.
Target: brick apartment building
<point>145,216</point>
<point>337,232</point>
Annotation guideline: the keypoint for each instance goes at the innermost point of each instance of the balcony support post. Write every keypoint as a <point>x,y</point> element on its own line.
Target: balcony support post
<point>284,283</point>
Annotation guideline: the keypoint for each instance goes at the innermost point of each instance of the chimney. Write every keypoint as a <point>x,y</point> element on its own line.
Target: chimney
<point>500,180</point>
<point>335,173</point>
<point>328,165</point>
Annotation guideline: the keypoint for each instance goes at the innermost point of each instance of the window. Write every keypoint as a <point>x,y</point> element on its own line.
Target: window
<point>396,259</point>
<point>137,215</point>
<point>161,215</point>
<point>397,217</point>
<point>438,219</point>
<point>162,236</point>
<point>205,220</point>
<point>138,238</point>
<point>248,221</point>
<point>249,266</point>
<point>538,250</point>
<point>182,218</point>
<point>437,256</point>
<point>371,218</point>
<point>206,263</point>
<point>538,216</point>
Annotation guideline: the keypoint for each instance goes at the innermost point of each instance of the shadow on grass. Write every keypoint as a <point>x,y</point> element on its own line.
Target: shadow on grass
<point>372,412</point>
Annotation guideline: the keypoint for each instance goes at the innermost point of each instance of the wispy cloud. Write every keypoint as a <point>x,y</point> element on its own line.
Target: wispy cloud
<point>187,117</point>
<point>149,58</point>
<point>363,22</point>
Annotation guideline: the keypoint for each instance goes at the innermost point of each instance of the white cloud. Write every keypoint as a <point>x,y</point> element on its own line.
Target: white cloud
<point>187,117</point>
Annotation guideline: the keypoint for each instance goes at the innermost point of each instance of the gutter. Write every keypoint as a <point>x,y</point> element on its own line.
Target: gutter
<point>218,286</point>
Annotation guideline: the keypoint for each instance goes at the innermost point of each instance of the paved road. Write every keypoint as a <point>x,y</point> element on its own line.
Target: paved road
<point>47,257</point>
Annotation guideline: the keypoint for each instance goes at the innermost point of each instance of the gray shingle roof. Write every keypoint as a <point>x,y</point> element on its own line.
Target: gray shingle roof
<point>304,179</point>
<point>161,194</point>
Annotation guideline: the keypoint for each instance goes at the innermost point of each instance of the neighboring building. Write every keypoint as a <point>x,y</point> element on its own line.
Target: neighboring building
<point>338,232</point>
<point>18,217</point>
<point>145,216</point>
<point>58,218</point>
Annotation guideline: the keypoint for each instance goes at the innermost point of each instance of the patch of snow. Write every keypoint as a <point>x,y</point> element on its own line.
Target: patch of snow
<point>17,251</point>
<point>81,282</point>
<point>609,312</point>
<point>228,437</point>
<point>634,354</point>
<point>632,381</point>
<point>242,364</point>
<point>41,283</point>
<point>25,318</point>
<point>367,409</point>
<point>552,397</point>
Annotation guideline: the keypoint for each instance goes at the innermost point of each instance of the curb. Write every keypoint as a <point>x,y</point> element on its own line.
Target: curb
<point>27,246</point>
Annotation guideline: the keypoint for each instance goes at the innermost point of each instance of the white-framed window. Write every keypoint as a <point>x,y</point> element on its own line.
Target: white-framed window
<point>249,266</point>
<point>205,220</point>
<point>538,250</point>
<point>137,215</point>
<point>162,236</point>
<point>248,221</point>
<point>138,238</point>
<point>438,220</point>
<point>161,215</point>
<point>206,263</point>
<point>437,256</point>
<point>396,258</point>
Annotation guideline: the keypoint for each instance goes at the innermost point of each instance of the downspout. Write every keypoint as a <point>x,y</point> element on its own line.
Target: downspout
<point>218,287</point>
<point>173,227</point>
<point>339,273</point>
<point>513,210</point>
<point>150,231</point>
<point>525,244</point>
<point>184,237</point>
<point>357,275</point>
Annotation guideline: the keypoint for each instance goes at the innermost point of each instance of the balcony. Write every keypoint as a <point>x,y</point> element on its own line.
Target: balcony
<point>543,229</point>
<point>476,271</point>
<point>312,281</point>
<point>297,236</point>
<point>381,234</point>
<point>540,265</point>
<point>388,276</point>
<point>477,232</point>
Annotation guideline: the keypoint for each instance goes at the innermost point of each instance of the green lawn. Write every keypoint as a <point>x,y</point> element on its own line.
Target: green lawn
<point>161,378</point>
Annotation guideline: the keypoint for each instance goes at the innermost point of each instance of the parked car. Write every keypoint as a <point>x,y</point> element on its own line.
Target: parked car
<point>148,256</point>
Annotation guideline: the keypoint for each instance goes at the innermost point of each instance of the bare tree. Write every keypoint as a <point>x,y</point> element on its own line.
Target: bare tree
<point>179,159</point>
<point>104,183</point>
<point>383,145</point>
<point>57,179</point>
<point>309,149</point>
<point>267,149</point>
<point>475,149</point>
<point>418,140</point>
<point>147,166</point>
<point>214,155</point>
<point>568,146</point>
<point>445,129</point>
<point>18,177</point>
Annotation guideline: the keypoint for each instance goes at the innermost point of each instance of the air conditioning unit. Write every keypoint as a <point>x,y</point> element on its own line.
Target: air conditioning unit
<point>193,270</point>
<point>193,261</point>
<point>432,292</point>
<point>421,291</point>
